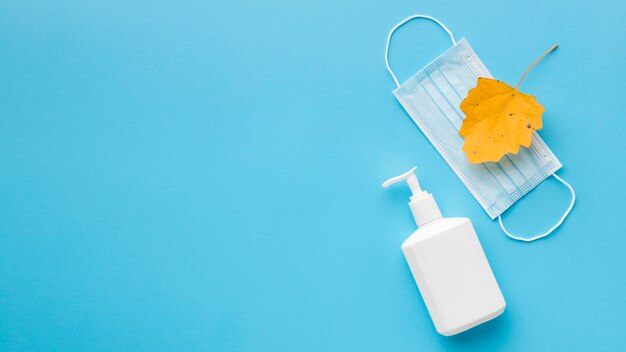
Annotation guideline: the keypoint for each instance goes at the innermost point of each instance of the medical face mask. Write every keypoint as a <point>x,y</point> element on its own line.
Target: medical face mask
<point>432,98</point>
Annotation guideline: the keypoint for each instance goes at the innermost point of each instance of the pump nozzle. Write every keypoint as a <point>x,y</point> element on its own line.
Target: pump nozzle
<point>410,179</point>
<point>422,204</point>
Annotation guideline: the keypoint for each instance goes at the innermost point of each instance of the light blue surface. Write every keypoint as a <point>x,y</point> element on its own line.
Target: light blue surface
<point>206,176</point>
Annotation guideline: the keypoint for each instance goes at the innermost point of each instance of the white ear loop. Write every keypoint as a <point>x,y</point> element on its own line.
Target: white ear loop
<point>569,209</point>
<point>400,25</point>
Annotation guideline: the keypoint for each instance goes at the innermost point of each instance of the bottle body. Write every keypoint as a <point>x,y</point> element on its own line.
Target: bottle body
<point>453,275</point>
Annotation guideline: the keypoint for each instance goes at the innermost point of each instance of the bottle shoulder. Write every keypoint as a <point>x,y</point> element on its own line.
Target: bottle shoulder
<point>442,224</point>
<point>435,228</point>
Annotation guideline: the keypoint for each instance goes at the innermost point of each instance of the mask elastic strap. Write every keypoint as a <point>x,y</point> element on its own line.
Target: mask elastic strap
<point>569,209</point>
<point>400,25</point>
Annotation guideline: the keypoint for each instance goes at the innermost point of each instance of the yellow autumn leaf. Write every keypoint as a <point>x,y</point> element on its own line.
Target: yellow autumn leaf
<point>499,119</point>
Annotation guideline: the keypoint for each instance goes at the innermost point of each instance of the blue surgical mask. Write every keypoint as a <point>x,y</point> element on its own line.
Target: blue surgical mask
<point>432,98</point>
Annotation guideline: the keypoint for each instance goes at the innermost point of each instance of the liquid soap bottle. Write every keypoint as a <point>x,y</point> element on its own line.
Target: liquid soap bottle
<point>449,265</point>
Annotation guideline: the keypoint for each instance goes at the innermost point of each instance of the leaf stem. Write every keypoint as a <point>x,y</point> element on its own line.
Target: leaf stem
<point>534,63</point>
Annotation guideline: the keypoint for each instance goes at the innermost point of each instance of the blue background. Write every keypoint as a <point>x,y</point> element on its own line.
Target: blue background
<point>192,175</point>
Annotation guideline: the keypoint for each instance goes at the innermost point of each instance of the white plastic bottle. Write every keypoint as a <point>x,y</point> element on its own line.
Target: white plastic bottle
<point>449,265</point>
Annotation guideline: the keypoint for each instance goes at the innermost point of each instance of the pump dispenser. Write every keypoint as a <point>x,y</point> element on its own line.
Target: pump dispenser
<point>449,265</point>
<point>423,205</point>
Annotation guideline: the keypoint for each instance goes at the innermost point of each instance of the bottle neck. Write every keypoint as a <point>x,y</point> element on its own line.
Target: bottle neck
<point>430,222</point>
<point>424,209</point>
